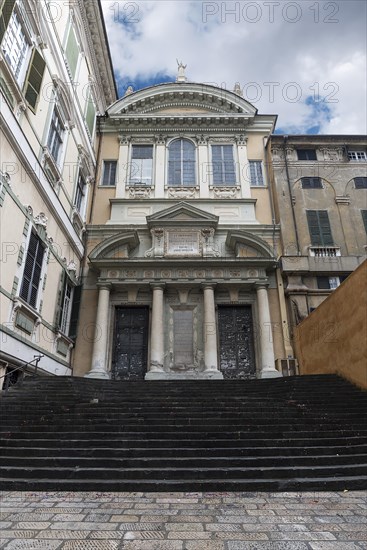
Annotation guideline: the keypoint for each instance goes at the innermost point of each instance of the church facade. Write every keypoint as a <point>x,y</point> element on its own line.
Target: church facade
<point>181,277</point>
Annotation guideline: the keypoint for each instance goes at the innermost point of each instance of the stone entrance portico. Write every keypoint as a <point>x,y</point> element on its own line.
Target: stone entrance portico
<point>190,269</point>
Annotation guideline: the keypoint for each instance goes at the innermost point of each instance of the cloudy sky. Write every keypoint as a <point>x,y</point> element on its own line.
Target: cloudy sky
<point>304,60</point>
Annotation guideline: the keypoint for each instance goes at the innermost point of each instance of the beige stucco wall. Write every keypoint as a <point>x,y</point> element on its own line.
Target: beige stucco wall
<point>333,339</point>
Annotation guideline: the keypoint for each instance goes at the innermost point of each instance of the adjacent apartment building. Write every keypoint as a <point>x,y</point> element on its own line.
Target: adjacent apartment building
<point>55,77</point>
<point>320,198</point>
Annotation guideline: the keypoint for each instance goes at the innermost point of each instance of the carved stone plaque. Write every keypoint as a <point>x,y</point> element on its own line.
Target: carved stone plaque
<point>183,338</point>
<point>183,243</point>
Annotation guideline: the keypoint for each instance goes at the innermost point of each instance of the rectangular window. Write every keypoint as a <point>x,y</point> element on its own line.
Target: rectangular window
<point>360,183</point>
<point>330,283</point>
<point>256,173</point>
<point>141,167</point>
<point>90,115</point>
<point>311,183</point>
<point>32,270</point>
<point>56,136</point>
<point>16,47</point>
<point>306,154</point>
<point>109,172</point>
<point>6,9</point>
<point>223,165</point>
<point>319,228</point>
<point>80,193</point>
<point>364,218</point>
<point>357,155</point>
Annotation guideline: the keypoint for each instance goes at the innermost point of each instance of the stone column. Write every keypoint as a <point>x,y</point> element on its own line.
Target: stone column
<point>210,334</point>
<point>157,331</point>
<point>98,369</point>
<point>268,369</point>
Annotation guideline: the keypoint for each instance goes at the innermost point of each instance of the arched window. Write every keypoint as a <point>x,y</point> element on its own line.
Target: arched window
<point>181,163</point>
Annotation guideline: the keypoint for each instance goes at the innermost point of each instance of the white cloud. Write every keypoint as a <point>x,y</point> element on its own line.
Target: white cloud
<point>324,50</point>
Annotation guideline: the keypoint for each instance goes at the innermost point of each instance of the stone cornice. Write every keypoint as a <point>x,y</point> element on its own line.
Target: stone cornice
<point>92,17</point>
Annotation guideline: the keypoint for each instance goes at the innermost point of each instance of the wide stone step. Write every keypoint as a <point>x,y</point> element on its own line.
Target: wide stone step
<point>177,432</point>
<point>187,463</point>
<point>173,442</point>
<point>325,483</point>
<point>192,473</point>
<point>15,450</point>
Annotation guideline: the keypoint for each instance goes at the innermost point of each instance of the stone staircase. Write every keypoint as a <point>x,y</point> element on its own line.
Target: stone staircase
<point>75,434</point>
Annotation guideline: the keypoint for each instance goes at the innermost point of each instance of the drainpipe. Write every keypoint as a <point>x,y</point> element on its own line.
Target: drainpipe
<point>285,138</point>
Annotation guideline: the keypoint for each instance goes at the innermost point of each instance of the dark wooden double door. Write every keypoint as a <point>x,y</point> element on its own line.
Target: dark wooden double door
<point>236,342</point>
<point>130,352</point>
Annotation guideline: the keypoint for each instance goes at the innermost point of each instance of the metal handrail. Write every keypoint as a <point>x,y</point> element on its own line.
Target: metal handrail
<point>36,358</point>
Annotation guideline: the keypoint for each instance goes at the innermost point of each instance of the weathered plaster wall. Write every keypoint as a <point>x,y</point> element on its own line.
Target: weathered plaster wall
<point>333,339</point>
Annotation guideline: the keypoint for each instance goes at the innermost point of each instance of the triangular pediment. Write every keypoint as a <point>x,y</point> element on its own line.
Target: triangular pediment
<point>185,99</point>
<point>182,213</point>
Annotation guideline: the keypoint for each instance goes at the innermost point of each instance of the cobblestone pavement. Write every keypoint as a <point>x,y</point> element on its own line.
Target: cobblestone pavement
<point>184,521</point>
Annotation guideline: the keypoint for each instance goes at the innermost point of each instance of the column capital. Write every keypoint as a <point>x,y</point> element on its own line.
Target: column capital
<point>260,285</point>
<point>162,286</point>
<point>101,285</point>
<point>208,285</point>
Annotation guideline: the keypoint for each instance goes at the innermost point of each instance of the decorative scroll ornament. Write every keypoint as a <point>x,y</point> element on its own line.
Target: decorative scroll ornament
<point>209,249</point>
<point>225,192</point>
<point>157,250</point>
<point>181,192</point>
<point>140,192</point>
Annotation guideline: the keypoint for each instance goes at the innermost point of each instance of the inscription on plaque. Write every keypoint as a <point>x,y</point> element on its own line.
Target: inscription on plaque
<point>185,243</point>
<point>183,338</point>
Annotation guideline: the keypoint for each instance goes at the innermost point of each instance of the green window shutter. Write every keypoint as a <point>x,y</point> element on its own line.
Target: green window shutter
<point>319,228</point>
<point>5,14</point>
<point>75,312</point>
<point>364,218</point>
<point>72,51</point>
<point>327,239</point>
<point>60,300</point>
<point>313,227</point>
<point>34,79</point>
<point>90,115</point>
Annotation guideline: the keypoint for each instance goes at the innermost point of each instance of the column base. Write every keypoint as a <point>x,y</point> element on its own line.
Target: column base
<point>212,375</point>
<point>271,374</point>
<point>192,375</point>
<point>102,375</point>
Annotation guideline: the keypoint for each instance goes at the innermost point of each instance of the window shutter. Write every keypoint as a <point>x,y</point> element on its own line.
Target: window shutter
<point>90,115</point>
<point>364,218</point>
<point>7,7</point>
<point>75,312</point>
<point>59,301</point>
<point>313,226</point>
<point>327,239</point>
<point>34,79</point>
<point>72,51</point>
<point>32,270</point>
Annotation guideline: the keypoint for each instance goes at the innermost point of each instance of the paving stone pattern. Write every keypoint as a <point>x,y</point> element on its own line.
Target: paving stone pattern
<point>183,521</point>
